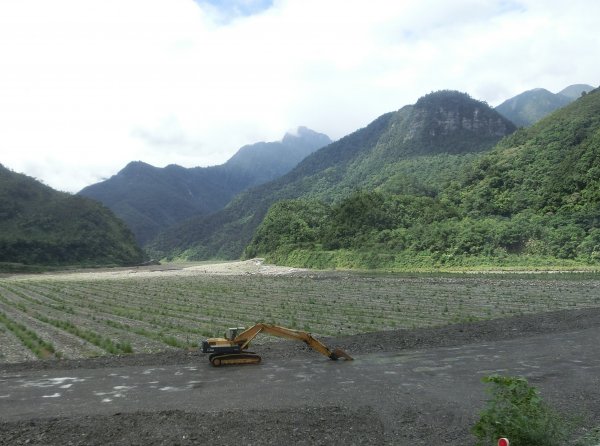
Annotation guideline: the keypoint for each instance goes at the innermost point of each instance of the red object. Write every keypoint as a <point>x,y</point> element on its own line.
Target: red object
<point>503,442</point>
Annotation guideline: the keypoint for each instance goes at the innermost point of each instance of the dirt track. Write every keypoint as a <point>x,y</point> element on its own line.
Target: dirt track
<point>408,388</point>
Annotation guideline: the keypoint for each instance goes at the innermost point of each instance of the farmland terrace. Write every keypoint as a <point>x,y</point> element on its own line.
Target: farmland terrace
<point>111,356</point>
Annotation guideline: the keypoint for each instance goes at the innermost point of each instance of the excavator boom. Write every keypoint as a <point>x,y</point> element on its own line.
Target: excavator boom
<point>233,351</point>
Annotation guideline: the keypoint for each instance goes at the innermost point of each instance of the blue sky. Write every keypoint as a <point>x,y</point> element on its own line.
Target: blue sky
<point>225,11</point>
<point>87,86</point>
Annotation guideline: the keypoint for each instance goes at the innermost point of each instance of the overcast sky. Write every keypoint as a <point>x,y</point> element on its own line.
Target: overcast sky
<point>88,85</point>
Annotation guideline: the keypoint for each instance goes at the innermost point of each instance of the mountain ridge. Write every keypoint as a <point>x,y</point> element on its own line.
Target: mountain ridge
<point>150,198</point>
<point>533,200</point>
<point>337,169</point>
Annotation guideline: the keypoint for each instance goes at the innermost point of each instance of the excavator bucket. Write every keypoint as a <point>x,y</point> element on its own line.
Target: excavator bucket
<point>339,353</point>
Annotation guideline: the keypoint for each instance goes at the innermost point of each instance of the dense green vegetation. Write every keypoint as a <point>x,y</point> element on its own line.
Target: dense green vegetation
<point>416,150</point>
<point>516,411</point>
<point>533,200</point>
<point>40,226</point>
<point>149,199</point>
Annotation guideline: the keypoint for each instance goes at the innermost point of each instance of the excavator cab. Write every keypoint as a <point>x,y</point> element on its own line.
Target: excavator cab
<point>232,333</point>
<point>225,344</point>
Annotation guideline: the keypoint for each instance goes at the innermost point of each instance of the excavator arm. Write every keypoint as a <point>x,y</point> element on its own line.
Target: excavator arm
<point>244,339</point>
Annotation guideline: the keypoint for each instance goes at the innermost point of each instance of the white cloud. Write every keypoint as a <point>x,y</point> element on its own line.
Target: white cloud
<point>87,86</point>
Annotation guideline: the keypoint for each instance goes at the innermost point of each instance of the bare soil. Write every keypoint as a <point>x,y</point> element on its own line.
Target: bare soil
<point>303,426</point>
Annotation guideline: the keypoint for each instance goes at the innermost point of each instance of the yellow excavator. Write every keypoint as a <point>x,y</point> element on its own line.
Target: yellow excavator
<point>232,348</point>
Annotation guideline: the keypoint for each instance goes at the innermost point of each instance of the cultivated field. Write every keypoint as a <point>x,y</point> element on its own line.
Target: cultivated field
<point>134,311</point>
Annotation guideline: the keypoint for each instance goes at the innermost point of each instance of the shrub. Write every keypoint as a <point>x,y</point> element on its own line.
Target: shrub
<point>516,411</point>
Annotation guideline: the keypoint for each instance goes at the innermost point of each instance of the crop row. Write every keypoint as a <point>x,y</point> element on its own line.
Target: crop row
<point>30,339</point>
<point>80,332</point>
<point>80,318</point>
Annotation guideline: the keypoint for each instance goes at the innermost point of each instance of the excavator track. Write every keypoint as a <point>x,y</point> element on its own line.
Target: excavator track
<point>220,359</point>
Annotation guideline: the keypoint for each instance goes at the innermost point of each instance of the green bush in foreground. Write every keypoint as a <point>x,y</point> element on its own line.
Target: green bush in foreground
<point>516,411</point>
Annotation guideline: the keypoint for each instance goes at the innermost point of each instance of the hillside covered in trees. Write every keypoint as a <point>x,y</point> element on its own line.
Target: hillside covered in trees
<point>40,226</point>
<point>415,151</point>
<point>533,200</point>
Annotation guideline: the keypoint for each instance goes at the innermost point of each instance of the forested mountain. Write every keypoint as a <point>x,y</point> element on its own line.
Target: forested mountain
<point>533,200</point>
<point>150,199</point>
<point>41,226</point>
<point>417,150</point>
<point>530,106</point>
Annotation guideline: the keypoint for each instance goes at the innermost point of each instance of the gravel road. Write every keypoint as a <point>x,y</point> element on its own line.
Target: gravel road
<point>406,387</point>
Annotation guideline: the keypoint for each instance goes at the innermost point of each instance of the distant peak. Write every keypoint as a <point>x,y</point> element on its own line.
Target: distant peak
<point>450,101</point>
<point>304,133</point>
<point>300,131</point>
<point>136,166</point>
<point>538,91</point>
<point>575,91</point>
<point>174,167</point>
<point>445,96</point>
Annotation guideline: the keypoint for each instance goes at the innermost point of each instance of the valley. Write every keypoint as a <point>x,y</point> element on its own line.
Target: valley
<point>404,195</point>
